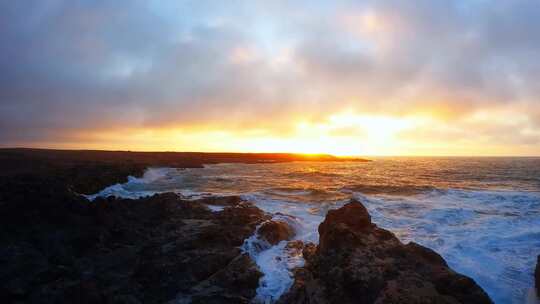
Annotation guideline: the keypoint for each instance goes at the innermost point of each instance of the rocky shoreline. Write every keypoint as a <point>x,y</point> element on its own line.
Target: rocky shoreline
<point>165,249</point>
<point>57,247</point>
<point>151,250</point>
<point>89,171</point>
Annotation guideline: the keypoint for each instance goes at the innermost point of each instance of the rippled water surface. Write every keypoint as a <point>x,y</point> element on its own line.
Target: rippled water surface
<point>481,214</point>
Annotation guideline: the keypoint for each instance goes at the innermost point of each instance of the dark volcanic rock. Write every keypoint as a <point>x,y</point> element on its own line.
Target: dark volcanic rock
<point>236,283</point>
<point>64,249</point>
<point>357,262</point>
<point>340,225</point>
<point>275,231</point>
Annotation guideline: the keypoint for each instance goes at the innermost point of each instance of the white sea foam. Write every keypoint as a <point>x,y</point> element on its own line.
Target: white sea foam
<point>277,262</point>
<point>215,208</point>
<point>152,182</point>
<point>491,236</point>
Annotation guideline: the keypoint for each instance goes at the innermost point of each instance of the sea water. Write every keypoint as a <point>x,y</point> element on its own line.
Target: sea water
<point>481,214</point>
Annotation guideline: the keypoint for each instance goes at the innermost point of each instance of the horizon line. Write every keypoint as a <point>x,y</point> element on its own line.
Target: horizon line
<point>270,152</point>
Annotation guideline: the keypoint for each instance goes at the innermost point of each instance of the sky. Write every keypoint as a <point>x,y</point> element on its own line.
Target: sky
<point>341,77</point>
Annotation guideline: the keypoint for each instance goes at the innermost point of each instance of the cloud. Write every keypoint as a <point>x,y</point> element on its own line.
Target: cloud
<point>70,67</point>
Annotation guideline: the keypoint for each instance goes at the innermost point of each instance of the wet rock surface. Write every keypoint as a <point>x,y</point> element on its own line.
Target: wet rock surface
<point>65,249</point>
<point>275,231</point>
<point>357,262</point>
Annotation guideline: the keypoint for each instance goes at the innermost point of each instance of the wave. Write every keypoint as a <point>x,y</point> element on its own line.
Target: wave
<point>310,174</point>
<point>487,234</point>
<point>287,191</point>
<point>405,190</point>
<point>152,182</point>
<point>304,195</point>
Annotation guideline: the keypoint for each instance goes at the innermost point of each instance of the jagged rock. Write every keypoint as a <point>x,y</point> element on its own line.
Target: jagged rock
<point>339,227</point>
<point>357,262</point>
<point>275,231</point>
<point>309,251</point>
<point>237,281</point>
<point>127,251</point>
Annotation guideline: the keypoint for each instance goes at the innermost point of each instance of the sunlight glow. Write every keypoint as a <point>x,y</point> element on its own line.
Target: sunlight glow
<point>340,134</point>
<point>344,133</point>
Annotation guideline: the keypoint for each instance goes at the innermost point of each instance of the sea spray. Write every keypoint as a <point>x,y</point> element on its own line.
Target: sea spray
<point>153,181</point>
<point>276,262</point>
<point>484,219</point>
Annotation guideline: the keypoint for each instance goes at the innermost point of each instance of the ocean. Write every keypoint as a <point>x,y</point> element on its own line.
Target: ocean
<point>481,214</point>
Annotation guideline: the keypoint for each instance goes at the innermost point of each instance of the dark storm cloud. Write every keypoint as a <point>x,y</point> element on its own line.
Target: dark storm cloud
<point>93,65</point>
